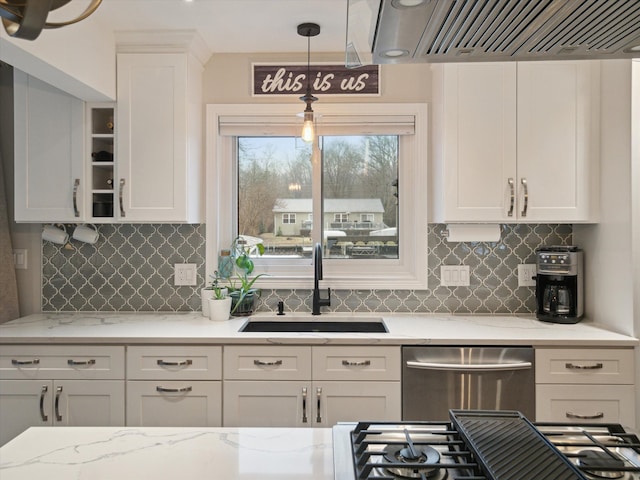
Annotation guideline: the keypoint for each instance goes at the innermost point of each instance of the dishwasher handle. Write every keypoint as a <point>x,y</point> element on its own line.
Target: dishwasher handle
<point>475,367</point>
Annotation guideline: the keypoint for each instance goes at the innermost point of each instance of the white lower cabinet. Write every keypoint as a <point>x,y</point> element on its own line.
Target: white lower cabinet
<point>60,386</point>
<point>174,386</point>
<point>310,386</point>
<point>585,385</point>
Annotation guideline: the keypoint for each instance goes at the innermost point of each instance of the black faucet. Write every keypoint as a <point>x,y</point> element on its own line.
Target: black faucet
<point>318,301</point>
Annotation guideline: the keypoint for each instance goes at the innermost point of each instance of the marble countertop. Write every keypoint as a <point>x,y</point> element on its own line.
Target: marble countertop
<point>193,328</point>
<point>97,453</point>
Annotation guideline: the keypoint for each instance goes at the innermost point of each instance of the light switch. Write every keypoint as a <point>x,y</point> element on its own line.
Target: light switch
<point>185,274</point>
<point>454,275</point>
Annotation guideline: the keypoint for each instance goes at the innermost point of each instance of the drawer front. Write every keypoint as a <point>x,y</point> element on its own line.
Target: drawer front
<point>174,363</point>
<point>61,362</point>
<point>174,403</point>
<point>585,404</point>
<point>356,363</point>
<point>598,366</point>
<point>267,363</point>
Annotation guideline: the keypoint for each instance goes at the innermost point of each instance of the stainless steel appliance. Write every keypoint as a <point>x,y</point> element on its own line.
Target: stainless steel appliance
<point>436,379</point>
<point>559,284</point>
<point>491,445</point>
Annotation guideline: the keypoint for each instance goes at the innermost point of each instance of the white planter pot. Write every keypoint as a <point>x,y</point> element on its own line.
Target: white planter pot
<point>205,296</point>
<point>219,310</point>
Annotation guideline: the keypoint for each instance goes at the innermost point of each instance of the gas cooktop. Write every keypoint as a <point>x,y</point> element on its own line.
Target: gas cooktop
<point>484,445</point>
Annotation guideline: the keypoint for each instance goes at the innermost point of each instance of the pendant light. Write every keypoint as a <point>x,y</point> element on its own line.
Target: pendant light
<point>308,130</point>
<point>26,18</point>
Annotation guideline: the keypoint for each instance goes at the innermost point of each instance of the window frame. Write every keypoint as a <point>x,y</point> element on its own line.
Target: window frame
<point>286,218</point>
<point>407,272</point>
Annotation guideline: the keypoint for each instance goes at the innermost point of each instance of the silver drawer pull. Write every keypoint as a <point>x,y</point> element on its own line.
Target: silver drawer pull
<point>260,363</point>
<point>526,197</point>
<point>35,361</point>
<point>319,410</point>
<point>364,363</point>
<point>573,366</point>
<point>173,390</point>
<point>585,417</point>
<point>43,393</point>
<point>83,362</point>
<point>304,404</point>
<point>57,404</point>
<point>183,363</point>
<point>512,197</point>
<point>76,185</point>
<point>120,199</point>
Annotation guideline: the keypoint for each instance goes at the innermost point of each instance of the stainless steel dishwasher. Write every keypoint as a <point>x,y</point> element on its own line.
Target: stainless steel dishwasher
<point>436,379</point>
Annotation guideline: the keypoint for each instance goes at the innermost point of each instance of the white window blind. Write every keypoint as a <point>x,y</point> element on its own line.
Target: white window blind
<point>291,125</point>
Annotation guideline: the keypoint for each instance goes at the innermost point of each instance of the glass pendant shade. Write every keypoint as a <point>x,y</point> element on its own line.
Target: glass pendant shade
<point>308,129</point>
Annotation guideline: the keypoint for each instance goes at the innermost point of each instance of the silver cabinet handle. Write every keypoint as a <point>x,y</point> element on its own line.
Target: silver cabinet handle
<point>15,362</point>
<point>76,185</point>
<point>261,363</point>
<point>479,367</point>
<point>304,404</point>
<point>364,363</point>
<point>512,198</point>
<point>318,398</point>
<point>585,417</point>
<point>183,363</point>
<point>120,199</point>
<point>43,393</point>
<point>57,404</point>
<point>173,390</point>
<point>526,197</point>
<point>76,363</point>
<point>573,366</point>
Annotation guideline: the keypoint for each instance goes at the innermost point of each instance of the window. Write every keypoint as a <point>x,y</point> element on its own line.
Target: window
<point>372,235</point>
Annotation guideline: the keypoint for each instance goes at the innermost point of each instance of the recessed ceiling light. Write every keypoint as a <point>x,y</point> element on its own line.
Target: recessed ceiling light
<point>407,3</point>
<point>395,53</point>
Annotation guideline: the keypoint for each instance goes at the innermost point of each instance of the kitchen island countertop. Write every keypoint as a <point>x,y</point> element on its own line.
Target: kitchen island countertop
<point>409,329</point>
<point>95,453</point>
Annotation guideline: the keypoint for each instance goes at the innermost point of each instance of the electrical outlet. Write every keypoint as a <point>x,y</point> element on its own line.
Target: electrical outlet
<point>20,258</point>
<point>454,275</point>
<point>527,275</point>
<point>185,274</point>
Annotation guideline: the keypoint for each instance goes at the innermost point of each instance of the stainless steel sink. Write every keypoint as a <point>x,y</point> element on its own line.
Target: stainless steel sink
<point>320,324</point>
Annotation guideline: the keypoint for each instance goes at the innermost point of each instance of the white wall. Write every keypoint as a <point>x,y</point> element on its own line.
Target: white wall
<point>635,214</point>
<point>79,59</point>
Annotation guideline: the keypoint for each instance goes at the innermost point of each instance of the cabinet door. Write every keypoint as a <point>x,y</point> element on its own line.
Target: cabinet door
<point>97,403</point>
<point>49,163</point>
<point>267,404</point>
<point>335,402</point>
<point>151,132</point>
<point>174,404</point>
<point>557,119</point>
<point>24,404</point>
<point>475,137</point>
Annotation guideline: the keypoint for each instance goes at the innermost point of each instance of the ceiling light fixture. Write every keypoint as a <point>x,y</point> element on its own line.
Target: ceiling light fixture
<point>308,131</point>
<point>26,18</point>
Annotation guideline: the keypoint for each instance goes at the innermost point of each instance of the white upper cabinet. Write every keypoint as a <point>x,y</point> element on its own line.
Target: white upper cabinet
<point>515,142</point>
<point>159,134</point>
<point>49,153</point>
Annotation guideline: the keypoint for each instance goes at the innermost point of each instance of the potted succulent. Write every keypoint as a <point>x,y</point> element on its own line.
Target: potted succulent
<point>213,291</point>
<point>242,292</point>
<point>220,302</point>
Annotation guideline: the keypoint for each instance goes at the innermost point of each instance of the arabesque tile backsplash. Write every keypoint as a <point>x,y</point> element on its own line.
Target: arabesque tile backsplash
<point>130,269</point>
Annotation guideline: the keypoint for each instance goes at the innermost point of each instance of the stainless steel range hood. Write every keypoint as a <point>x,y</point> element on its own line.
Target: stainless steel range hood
<point>421,31</point>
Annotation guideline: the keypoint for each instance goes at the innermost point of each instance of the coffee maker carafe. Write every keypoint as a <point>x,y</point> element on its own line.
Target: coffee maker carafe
<point>559,284</point>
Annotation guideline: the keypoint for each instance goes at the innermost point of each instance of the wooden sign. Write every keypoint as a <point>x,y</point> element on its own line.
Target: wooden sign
<point>325,80</point>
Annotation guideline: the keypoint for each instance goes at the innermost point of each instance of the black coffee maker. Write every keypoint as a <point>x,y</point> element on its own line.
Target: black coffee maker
<point>559,284</point>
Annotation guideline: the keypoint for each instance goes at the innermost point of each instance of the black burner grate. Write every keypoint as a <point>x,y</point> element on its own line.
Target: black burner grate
<point>508,446</point>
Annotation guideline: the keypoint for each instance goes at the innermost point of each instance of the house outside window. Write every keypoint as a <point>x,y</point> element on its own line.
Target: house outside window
<point>342,165</point>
